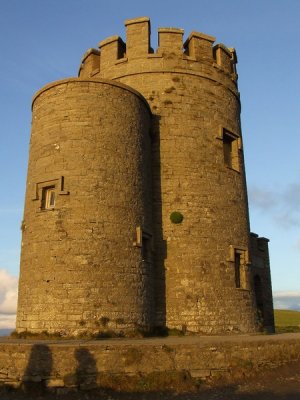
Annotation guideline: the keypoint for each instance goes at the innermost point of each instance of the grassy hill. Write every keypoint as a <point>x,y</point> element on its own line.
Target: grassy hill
<point>287,321</point>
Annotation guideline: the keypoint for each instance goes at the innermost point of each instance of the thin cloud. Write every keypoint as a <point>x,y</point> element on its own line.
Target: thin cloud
<point>8,293</point>
<point>283,205</point>
<point>287,219</point>
<point>285,300</point>
<point>7,321</point>
<point>289,294</point>
<point>292,196</point>
<point>262,199</point>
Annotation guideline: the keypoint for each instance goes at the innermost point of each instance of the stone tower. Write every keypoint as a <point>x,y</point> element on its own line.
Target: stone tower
<point>136,211</point>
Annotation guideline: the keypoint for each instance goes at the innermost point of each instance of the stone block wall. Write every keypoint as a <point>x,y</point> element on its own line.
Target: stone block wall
<point>80,267</point>
<point>86,365</point>
<point>140,134</point>
<point>261,276</point>
<point>192,90</point>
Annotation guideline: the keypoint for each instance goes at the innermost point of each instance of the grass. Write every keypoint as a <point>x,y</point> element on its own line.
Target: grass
<point>59,336</point>
<point>287,321</point>
<point>104,334</point>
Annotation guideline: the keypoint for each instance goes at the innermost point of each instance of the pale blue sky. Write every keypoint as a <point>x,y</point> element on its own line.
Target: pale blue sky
<point>43,40</point>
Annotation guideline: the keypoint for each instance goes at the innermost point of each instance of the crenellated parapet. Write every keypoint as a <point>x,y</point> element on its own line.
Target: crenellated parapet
<point>199,46</point>
<point>226,59</point>
<point>170,41</point>
<point>137,37</point>
<point>197,54</point>
<point>90,63</point>
<point>112,49</point>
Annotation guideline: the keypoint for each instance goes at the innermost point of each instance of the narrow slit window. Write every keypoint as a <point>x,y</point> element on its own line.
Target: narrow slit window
<point>227,148</point>
<point>239,259</point>
<point>48,198</point>
<point>237,269</point>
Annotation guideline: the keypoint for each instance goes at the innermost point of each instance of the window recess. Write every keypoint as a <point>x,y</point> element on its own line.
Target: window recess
<point>46,193</point>
<point>239,257</point>
<point>231,147</point>
<point>48,198</point>
<point>144,241</point>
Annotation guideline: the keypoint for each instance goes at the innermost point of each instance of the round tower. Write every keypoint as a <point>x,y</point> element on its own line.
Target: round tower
<point>87,230</point>
<point>201,266</point>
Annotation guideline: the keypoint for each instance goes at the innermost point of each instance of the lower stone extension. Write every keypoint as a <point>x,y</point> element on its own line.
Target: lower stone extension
<point>173,363</point>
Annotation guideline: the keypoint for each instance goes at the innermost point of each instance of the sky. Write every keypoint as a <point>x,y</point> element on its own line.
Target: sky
<point>43,41</point>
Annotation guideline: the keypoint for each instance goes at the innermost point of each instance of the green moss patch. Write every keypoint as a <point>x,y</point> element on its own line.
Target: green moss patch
<point>176,217</point>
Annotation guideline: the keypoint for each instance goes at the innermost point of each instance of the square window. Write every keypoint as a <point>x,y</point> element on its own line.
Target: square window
<point>48,198</point>
<point>46,193</point>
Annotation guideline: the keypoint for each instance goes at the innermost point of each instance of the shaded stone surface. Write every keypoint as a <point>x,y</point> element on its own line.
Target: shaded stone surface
<point>170,364</point>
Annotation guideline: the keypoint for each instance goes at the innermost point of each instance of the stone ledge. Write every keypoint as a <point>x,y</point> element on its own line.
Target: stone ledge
<point>136,20</point>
